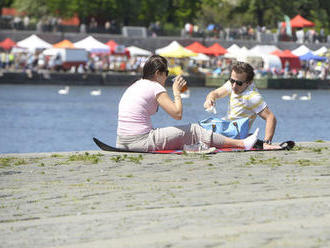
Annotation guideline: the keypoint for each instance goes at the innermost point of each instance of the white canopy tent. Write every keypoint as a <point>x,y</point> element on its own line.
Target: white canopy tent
<point>201,57</point>
<point>321,51</point>
<point>33,43</point>
<point>136,51</point>
<point>233,48</point>
<point>92,45</point>
<point>172,46</point>
<point>263,49</point>
<point>301,50</point>
<point>271,62</point>
<point>256,57</point>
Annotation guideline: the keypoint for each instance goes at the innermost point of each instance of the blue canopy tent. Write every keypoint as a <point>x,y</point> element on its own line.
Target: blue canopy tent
<point>310,56</point>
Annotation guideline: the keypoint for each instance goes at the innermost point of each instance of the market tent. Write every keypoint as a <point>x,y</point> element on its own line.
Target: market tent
<point>301,50</point>
<point>216,49</point>
<point>197,47</point>
<point>263,49</point>
<point>92,45</point>
<point>64,44</point>
<point>136,51</point>
<point>201,57</point>
<point>7,44</point>
<point>73,21</point>
<point>245,55</point>
<point>33,43</point>
<point>175,50</point>
<point>285,56</point>
<point>299,22</point>
<point>235,51</point>
<point>321,51</point>
<point>115,48</point>
<point>233,48</point>
<point>310,56</point>
<point>271,62</point>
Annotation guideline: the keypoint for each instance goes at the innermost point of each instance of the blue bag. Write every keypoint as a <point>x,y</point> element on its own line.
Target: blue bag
<point>238,129</point>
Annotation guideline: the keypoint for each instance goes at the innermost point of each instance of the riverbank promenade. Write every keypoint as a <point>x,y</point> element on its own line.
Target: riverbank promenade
<point>104,199</point>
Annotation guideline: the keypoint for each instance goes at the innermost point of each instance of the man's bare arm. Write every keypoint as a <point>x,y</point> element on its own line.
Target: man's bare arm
<point>214,95</point>
<point>270,119</point>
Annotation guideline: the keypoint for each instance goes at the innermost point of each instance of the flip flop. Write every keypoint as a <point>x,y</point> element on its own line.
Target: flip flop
<point>288,145</point>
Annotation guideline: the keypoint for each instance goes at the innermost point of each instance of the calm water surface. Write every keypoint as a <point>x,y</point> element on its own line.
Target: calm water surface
<point>36,118</point>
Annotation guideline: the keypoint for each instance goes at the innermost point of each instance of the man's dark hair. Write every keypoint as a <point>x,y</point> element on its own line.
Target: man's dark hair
<point>241,67</point>
<point>154,63</point>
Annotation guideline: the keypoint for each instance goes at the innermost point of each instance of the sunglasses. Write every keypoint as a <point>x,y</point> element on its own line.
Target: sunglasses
<point>239,83</point>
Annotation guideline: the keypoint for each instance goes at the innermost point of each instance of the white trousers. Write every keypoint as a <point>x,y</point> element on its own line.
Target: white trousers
<point>170,138</point>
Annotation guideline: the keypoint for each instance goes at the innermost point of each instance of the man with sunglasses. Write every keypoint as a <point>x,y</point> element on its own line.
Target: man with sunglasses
<point>245,100</point>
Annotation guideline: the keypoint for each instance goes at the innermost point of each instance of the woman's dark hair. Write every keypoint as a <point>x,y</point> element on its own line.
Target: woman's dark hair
<point>154,63</point>
<point>241,67</point>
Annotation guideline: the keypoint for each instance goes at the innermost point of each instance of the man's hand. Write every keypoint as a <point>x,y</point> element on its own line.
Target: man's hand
<point>209,103</point>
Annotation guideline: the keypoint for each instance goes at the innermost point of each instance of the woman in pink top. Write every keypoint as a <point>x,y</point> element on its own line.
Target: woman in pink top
<point>142,99</point>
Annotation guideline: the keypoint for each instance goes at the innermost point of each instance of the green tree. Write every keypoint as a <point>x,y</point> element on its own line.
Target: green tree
<point>35,8</point>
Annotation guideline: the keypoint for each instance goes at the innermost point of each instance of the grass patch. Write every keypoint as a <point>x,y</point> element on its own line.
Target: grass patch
<point>6,161</point>
<point>134,159</point>
<point>254,160</point>
<point>56,156</point>
<point>310,149</point>
<point>305,162</point>
<point>189,162</point>
<point>319,141</point>
<point>86,157</point>
<point>298,148</point>
<point>20,162</point>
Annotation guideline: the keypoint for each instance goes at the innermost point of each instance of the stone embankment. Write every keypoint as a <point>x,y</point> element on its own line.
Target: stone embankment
<point>103,199</point>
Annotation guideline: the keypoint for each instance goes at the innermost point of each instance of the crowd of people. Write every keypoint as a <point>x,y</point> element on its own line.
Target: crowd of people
<point>245,32</point>
<point>99,63</point>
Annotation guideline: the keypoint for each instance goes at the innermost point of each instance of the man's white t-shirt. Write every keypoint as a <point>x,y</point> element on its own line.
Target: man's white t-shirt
<point>247,104</point>
<point>136,106</point>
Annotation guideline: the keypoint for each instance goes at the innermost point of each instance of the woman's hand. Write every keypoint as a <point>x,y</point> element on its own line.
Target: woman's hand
<point>178,85</point>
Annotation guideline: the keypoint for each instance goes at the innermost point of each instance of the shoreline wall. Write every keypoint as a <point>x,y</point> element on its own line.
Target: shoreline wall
<point>99,79</point>
<point>122,79</point>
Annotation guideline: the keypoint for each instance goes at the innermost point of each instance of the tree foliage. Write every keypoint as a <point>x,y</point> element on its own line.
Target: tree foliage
<point>177,12</point>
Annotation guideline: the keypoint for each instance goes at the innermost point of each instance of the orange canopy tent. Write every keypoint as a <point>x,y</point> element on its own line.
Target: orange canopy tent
<point>73,21</point>
<point>116,48</point>
<point>7,44</point>
<point>11,12</point>
<point>299,22</point>
<point>197,47</point>
<point>287,55</point>
<point>64,44</point>
<point>216,50</point>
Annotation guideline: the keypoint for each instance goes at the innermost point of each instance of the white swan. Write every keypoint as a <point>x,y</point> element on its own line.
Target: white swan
<point>306,98</point>
<point>185,94</point>
<point>95,92</point>
<point>64,91</point>
<point>289,98</point>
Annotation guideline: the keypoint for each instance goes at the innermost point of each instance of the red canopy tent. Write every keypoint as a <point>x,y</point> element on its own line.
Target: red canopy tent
<point>197,47</point>
<point>216,50</point>
<point>116,48</point>
<point>299,22</point>
<point>287,55</point>
<point>7,44</point>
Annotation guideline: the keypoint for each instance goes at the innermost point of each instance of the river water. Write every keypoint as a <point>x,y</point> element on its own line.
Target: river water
<point>35,118</point>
